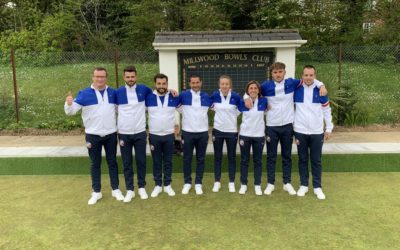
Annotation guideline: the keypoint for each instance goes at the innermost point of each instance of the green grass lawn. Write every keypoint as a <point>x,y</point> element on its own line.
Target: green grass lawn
<point>43,89</point>
<point>51,212</point>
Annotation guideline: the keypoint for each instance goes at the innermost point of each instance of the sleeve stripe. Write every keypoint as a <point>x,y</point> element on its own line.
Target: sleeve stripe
<point>300,83</point>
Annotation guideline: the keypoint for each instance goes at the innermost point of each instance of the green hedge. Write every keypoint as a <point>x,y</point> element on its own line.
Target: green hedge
<point>80,165</point>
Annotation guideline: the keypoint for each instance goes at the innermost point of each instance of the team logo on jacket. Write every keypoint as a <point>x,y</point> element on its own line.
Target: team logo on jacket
<point>241,142</point>
<point>88,144</point>
<point>151,147</point>
<point>121,143</point>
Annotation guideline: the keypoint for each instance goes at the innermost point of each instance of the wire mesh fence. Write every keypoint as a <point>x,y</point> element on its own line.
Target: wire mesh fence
<point>362,82</point>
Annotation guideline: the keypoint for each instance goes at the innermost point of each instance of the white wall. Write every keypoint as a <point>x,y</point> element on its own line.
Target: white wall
<point>168,60</point>
<point>288,57</point>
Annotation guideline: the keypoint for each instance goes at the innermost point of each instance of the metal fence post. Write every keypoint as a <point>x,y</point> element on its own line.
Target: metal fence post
<point>340,116</point>
<point>15,84</point>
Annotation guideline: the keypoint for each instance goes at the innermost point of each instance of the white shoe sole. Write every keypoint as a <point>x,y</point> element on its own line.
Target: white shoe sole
<point>127,200</point>
<point>154,195</point>
<point>290,193</point>
<point>267,192</point>
<point>118,198</point>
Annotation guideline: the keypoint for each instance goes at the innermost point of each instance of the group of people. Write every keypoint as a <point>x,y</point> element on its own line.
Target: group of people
<point>296,107</point>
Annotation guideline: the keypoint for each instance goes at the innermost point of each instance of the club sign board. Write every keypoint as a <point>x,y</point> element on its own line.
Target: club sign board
<point>241,66</point>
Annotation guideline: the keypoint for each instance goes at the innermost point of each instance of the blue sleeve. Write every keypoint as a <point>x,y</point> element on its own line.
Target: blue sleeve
<point>148,91</point>
<point>296,82</point>
<point>212,98</point>
<point>323,99</point>
<point>241,106</point>
<point>180,98</point>
<point>238,100</point>
<point>264,88</point>
<point>266,102</point>
<point>80,98</point>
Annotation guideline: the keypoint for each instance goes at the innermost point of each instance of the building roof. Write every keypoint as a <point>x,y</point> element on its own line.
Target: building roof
<point>226,36</point>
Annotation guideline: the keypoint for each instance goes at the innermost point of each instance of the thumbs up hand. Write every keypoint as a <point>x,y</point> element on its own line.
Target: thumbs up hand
<point>69,99</point>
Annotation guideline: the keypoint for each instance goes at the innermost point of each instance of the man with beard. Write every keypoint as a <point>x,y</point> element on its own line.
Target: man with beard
<point>132,130</point>
<point>161,109</point>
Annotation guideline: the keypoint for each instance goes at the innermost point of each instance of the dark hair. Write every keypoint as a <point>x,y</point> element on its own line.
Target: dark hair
<point>194,76</point>
<point>226,77</point>
<point>100,69</point>
<point>257,84</point>
<point>160,76</point>
<point>309,66</point>
<point>130,69</point>
<point>277,65</point>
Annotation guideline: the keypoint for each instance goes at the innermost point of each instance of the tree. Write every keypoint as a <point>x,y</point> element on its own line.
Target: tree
<point>351,16</point>
<point>237,12</point>
<point>387,19</point>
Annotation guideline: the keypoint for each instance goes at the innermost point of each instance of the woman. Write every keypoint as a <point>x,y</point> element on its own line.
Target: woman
<point>252,136</point>
<point>225,105</point>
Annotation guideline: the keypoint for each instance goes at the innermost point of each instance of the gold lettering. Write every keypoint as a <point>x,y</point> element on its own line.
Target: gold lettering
<point>259,58</point>
<point>188,61</point>
<point>237,57</point>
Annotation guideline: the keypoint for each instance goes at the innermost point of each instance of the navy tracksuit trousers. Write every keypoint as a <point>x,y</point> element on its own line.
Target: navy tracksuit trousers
<point>95,143</point>
<point>309,147</point>
<point>127,142</point>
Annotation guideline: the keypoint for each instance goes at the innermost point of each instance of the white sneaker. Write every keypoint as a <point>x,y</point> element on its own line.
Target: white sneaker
<point>199,189</point>
<point>257,189</point>
<point>117,194</point>
<point>320,195</point>
<point>231,187</point>
<point>142,193</point>
<point>302,191</point>
<point>243,189</point>
<point>217,186</point>
<point>156,191</point>
<point>130,194</point>
<point>268,190</point>
<point>186,188</point>
<point>94,198</point>
<point>168,189</point>
<point>289,188</point>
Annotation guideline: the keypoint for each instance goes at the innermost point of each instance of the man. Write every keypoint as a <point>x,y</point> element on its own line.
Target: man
<point>132,130</point>
<point>312,110</point>
<point>98,114</point>
<point>161,107</point>
<point>194,108</point>
<point>279,123</point>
